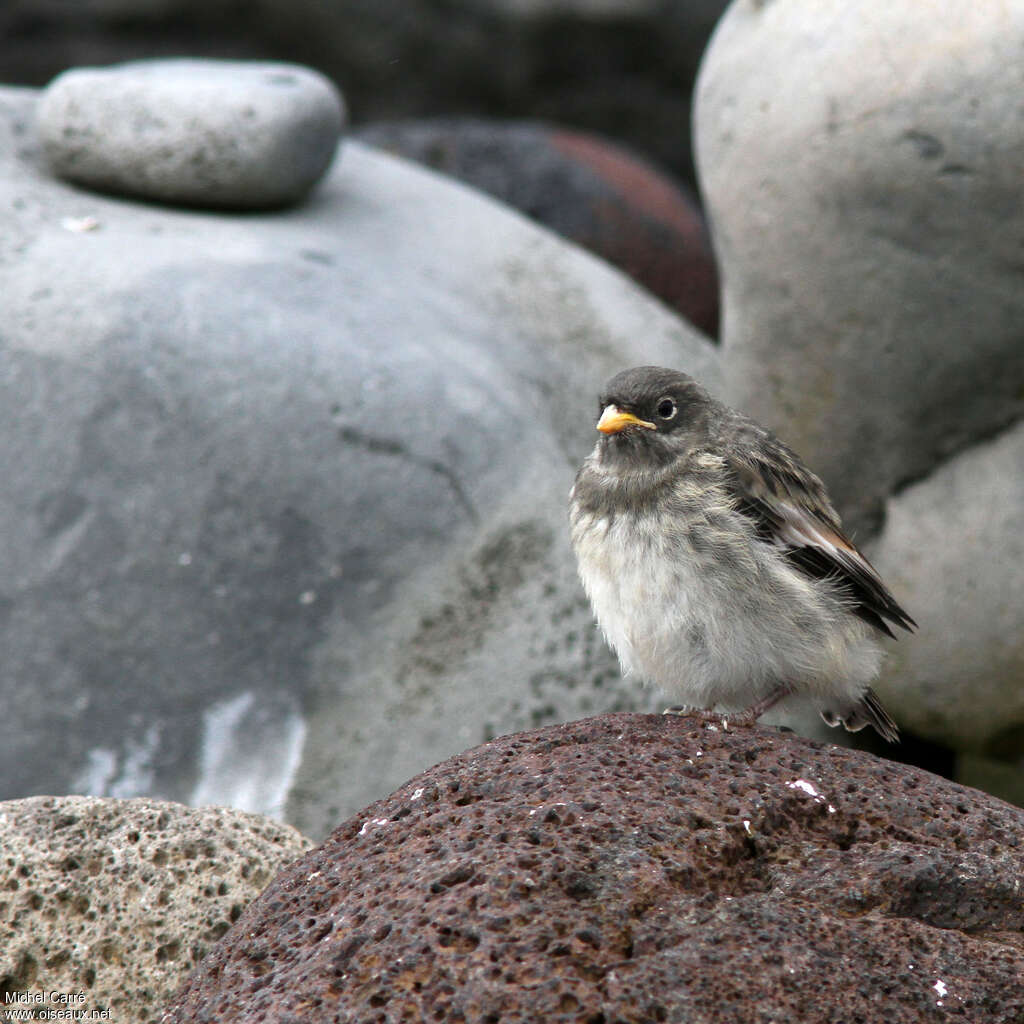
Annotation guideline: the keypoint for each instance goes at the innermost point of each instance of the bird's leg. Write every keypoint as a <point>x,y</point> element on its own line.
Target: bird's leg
<point>755,711</point>
<point>704,714</point>
<point>746,717</point>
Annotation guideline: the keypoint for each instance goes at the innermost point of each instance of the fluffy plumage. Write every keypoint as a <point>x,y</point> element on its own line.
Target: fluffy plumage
<point>716,565</point>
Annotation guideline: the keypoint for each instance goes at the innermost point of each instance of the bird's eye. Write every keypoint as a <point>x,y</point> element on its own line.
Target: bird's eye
<point>666,409</point>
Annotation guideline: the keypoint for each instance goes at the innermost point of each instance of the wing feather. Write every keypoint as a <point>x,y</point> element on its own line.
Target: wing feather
<point>790,509</point>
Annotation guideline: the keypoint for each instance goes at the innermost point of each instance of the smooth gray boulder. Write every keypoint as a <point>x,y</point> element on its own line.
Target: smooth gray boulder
<point>282,499</point>
<point>207,133</point>
<point>586,188</point>
<point>108,904</point>
<point>861,174</point>
<point>954,548</point>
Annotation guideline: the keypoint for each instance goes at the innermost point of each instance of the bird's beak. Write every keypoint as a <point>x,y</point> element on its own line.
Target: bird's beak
<point>613,419</point>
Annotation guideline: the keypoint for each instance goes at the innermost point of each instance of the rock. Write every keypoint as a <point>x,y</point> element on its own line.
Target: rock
<point>1000,776</point>
<point>194,132</point>
<point>953,547</point>
<point>861,178</point>
<point>635,868</point>
<point>628,74</point>
<point>588,189</point>
<point>584,8</point>
<point>280,496</point>
<point>107,904</point>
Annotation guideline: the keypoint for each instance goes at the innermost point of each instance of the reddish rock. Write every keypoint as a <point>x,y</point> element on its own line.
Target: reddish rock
<point>584,187</point>
<point>648,226</point>
<point>637,868</point>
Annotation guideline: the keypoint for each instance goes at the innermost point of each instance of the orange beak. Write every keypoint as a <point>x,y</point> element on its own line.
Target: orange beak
<point>613,419</point>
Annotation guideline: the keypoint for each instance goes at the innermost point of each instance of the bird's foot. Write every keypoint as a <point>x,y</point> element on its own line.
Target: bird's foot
<point>749,716</point>
<point>714,719</point>
<point>755,711</point>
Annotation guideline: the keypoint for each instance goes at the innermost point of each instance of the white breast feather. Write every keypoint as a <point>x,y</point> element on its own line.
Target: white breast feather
<point>676,624</point>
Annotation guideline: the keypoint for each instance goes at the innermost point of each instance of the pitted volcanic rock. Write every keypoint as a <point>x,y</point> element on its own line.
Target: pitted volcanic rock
<point>639,868</point>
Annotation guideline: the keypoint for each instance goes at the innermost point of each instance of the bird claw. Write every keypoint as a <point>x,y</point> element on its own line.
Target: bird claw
<point>712,718</point>
<point>748,716</point>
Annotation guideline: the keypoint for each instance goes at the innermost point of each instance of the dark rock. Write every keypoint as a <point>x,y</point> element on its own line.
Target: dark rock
<point>588,189</point>
<point>628,71</point>
<point>640,868</point>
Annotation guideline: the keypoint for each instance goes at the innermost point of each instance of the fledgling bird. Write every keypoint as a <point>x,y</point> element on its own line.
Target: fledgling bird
<point>715,563</point>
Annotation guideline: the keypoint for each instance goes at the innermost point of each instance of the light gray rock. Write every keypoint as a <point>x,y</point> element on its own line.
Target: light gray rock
<point>108,904</point>
<point>953,548</point>
<point>193,132</point>
<point>282,498</point>
<point>862,176</point>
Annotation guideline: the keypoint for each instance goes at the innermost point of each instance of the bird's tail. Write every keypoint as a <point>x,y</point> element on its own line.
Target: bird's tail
<point>867,711</point>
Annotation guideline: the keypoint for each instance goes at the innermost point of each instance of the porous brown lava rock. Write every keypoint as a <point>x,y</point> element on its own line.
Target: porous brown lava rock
<point>640,868</point>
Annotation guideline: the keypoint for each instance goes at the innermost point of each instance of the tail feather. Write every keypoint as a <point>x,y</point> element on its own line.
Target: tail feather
<point>867,711</point>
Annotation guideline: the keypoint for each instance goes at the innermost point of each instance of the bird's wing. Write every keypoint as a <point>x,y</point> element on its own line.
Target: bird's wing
<point>791,510</point>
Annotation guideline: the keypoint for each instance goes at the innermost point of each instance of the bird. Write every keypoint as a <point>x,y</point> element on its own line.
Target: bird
<point>716,564</point>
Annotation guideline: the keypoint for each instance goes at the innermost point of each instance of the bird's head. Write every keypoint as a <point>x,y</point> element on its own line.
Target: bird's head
<point>649,415</point>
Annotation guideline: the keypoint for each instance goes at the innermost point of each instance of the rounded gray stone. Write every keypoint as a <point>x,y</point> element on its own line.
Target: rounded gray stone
<point>862,180</point>
<point>953,550</point>
<point>283,498</point>
<point>236,134</point>
<point>107,905</point>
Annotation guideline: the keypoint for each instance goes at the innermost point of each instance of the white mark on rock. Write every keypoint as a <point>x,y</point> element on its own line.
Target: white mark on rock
<point>806,786</point>
<point>417,793</point>
<point>121,774</point>
<point>369,822</point>
<point>235,768</point>
<point>79,225</point>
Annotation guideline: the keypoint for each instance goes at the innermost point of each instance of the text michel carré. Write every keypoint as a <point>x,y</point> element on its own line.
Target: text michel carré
<point>61,998</point>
